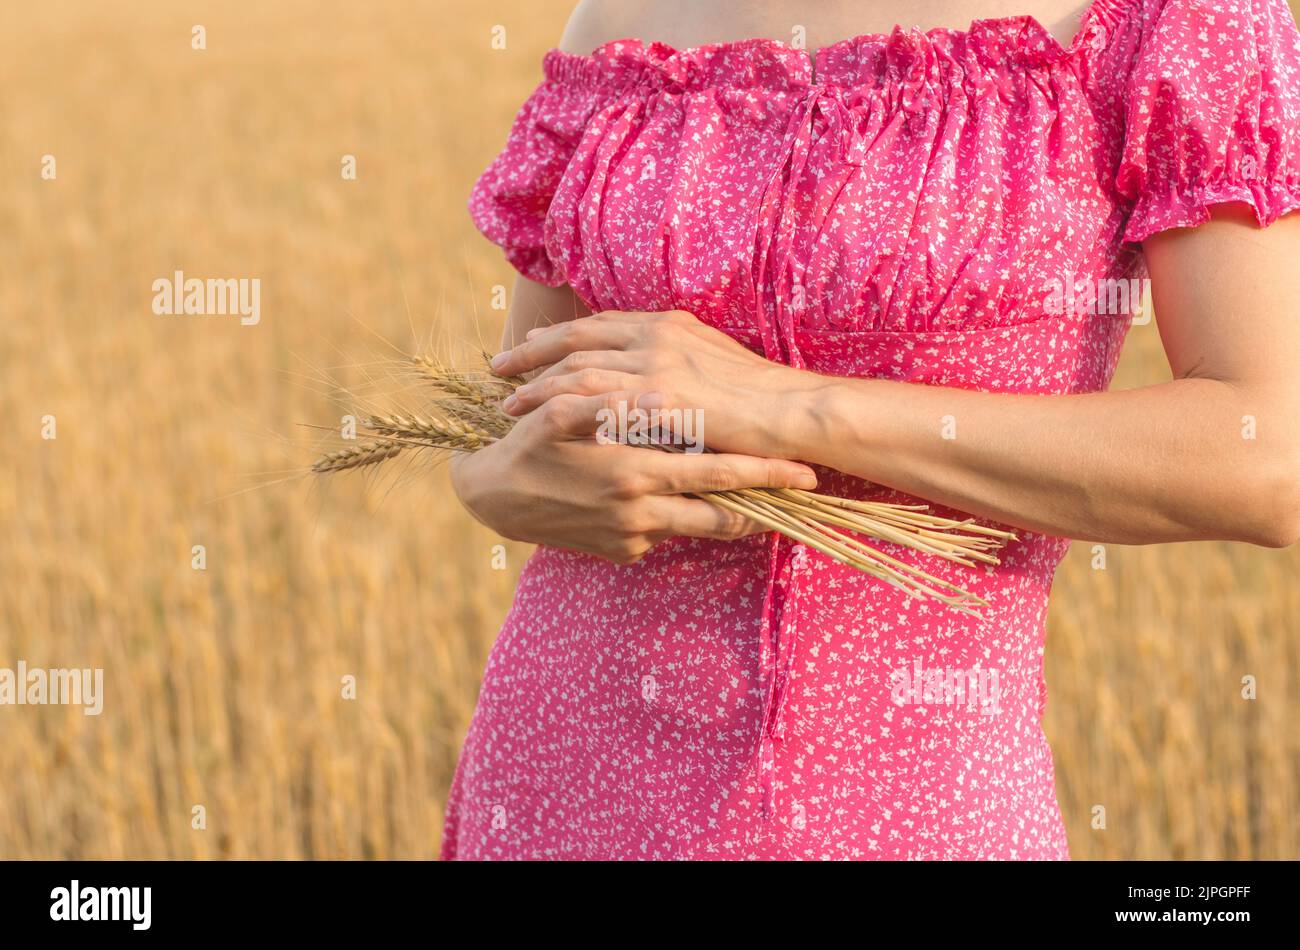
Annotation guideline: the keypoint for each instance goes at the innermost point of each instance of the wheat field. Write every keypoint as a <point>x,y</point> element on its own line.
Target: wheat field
<point>222,686</point>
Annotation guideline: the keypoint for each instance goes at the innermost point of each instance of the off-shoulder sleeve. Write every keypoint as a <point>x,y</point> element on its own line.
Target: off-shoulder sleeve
<point>509,203</point>
<point>1213,114</point>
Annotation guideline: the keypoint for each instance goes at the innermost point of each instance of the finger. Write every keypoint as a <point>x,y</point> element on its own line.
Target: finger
<point>554,343</point>
<point>694,518</point>
<point>631,316</point>
<point>686,473</point>
<point>578,417</point>
<point>624,361</point>
<point>587,382</point>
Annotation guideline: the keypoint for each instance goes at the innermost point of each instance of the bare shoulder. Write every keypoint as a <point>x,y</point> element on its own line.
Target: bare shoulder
<point>597,22</point>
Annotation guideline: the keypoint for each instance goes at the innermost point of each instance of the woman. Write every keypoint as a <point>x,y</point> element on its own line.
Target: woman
<point>791,242</point>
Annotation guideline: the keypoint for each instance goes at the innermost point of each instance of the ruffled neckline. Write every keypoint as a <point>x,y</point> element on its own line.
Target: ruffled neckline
<point>1020,41</point>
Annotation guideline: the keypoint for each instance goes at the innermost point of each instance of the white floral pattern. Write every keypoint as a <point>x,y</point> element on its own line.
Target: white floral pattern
<point>894,207</point>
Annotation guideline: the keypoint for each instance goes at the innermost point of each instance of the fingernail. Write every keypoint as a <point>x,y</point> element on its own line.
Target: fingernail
<point>650,401</point>
<point>533,332</point>
<point>807,481</point>
<point>500,359</point>
<point>511,403</point>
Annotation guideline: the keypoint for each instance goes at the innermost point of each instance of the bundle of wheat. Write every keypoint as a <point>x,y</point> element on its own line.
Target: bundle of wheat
<point>462,414</point>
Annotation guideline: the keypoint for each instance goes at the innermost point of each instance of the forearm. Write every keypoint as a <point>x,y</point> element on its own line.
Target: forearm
<point>1171,462</point>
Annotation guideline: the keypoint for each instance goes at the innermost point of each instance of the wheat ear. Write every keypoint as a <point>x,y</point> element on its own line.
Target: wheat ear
<point>367,453</point>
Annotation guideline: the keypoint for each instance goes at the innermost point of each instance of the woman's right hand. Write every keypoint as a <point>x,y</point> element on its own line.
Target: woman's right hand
<point>550,482</point>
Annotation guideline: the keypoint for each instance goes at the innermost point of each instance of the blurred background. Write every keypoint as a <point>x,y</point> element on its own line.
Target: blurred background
<point>222,686</point>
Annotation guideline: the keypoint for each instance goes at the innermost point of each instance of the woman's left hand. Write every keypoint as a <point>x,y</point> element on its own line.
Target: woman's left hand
<point>667,361</point>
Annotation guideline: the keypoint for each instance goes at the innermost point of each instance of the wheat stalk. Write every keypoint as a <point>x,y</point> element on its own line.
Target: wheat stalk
<point>464,415</point>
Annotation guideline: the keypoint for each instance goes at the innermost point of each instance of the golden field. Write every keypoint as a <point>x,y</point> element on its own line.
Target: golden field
<point>223,685</point>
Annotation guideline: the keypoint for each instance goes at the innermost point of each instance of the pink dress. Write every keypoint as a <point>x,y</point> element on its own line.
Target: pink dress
<point>912,206</point>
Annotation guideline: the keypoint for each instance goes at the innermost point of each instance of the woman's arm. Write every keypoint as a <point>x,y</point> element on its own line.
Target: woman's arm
<point>549,481</point>
<point>536,305</point>
<point>1170,462</point>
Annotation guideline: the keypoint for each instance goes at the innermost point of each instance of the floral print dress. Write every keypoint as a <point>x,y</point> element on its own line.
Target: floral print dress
<point>932,207</point>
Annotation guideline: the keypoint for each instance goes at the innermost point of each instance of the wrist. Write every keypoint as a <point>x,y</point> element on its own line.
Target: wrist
<point>464,484</point>
<point>795,413</point>
<point>834,422</point>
